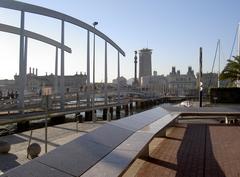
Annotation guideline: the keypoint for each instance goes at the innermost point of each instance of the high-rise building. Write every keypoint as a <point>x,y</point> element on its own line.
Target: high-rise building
<point>145,62</point>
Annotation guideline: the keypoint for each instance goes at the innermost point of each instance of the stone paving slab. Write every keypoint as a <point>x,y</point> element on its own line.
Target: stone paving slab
<point>57,136</point>
<point>75,157</point>
<point>37,170</point>
<point>138,121</point>
<point>114,163</point>
<point>108,135</point>
<point>194,150</point>
<point>136,142</point>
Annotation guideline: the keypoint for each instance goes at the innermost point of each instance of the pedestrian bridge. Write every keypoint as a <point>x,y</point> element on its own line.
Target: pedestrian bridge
<point>24,35</point>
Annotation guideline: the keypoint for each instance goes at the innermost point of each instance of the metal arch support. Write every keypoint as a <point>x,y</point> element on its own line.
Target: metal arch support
<point>25,60</point>
<point>56,72</point>
<point>106,79</point>
<point>10,4</point>
<point>62,85</point>
<point>88,68</point>
<point>118,79</point>
<point>22,62</point>
<point>29,34</point>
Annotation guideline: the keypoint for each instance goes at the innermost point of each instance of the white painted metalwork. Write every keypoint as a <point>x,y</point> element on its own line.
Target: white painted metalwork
<point>10,4</point>
<point>29,34</point>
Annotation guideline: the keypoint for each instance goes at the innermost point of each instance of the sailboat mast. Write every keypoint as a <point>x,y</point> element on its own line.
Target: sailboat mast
<point>238,54</point>
<point>238,40</point>
<point>219,57</point>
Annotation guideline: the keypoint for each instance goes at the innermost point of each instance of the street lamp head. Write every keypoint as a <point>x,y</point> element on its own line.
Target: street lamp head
<point>95,23</point>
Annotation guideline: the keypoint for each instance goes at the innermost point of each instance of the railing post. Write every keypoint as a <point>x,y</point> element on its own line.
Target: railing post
<point>56,72</point>
<point>62,86</point>
<point>118,82</point>
<point>105,81</point>
<point>25,62</point>
<point>93,84</point>
<point>22,64</point>
<point>88,68</point>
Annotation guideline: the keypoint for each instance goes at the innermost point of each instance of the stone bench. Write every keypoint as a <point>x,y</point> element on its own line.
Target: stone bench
<point>106,151</point>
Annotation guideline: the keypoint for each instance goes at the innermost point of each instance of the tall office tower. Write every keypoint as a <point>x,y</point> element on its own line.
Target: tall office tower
<point>145,62</point>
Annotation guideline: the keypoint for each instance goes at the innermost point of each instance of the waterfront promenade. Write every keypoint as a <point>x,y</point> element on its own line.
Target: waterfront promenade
<point>194,144</point>
<point>57,136</point>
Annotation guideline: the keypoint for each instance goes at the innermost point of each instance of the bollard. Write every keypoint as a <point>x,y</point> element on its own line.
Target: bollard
<point>126,109</point>
<point>105,114</point>
<point>131,106</point>
<point>118,109</point>
<point>111,112</point>
<point>34,150</point>
<point>88,116</point>
<point>4,147</point>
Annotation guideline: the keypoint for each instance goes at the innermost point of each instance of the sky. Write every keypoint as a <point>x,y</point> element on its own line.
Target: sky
<point>174,29</point>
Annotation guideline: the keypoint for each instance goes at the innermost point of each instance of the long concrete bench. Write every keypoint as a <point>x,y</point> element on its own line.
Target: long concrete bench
<point>106,151</point>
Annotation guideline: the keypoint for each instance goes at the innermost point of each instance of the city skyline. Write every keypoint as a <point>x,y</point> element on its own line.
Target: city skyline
<point>174,31</point>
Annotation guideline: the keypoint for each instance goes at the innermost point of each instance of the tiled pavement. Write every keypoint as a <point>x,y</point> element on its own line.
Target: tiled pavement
<point>195,150</point>
<point>57,135</point>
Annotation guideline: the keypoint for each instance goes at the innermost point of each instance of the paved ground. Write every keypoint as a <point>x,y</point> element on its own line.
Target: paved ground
<point>192,150</point>
<point>57,135</point>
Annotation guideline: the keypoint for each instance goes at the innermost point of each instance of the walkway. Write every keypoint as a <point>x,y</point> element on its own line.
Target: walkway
<point>57,135</point>
<point>193,150</point>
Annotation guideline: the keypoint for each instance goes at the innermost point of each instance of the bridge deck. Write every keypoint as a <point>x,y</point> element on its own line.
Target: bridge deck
<point>193,150</point>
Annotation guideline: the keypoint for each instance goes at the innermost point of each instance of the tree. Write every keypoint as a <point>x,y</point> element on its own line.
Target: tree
<point>231,70</point>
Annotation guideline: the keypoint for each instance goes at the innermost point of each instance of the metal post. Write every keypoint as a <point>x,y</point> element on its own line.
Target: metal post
<point>238,40</point>
<point>238,50</point>
<point>93,96</point>
<point>118,86</point>
<point>29,141</point>
<point>56,72</point>
<point>77,122</point>
<point>25,61</point>
<point>93,68</point>
<point>200,78</point>
<point>21,64</point>
<point>46,124</point>
<point>88,68</point>
<point>62,86</point>
<point>219,57</point>
<point>105,81</point>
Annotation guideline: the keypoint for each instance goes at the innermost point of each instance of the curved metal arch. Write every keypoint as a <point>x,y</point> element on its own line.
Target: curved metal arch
<point>10,4</point>
<point>15,30</point>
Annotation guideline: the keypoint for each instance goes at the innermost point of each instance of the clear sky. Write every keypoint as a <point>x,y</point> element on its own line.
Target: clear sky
<point>174,29</point>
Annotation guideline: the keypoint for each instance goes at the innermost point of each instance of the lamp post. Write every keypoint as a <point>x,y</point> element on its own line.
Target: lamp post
<point>200,78</point>
<point>93,97</point>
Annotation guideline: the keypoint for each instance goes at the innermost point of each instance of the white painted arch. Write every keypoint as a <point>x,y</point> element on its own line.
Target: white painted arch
<point>29,34</point>
<point>15,5</point>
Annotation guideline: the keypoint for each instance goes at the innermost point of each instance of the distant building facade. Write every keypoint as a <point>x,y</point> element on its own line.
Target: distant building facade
<point>157,84</point>
<point>122,81</point>
<point>181,84</point>
<point>145,62</point>
<point>35,83</point>
<point>7,86</point>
